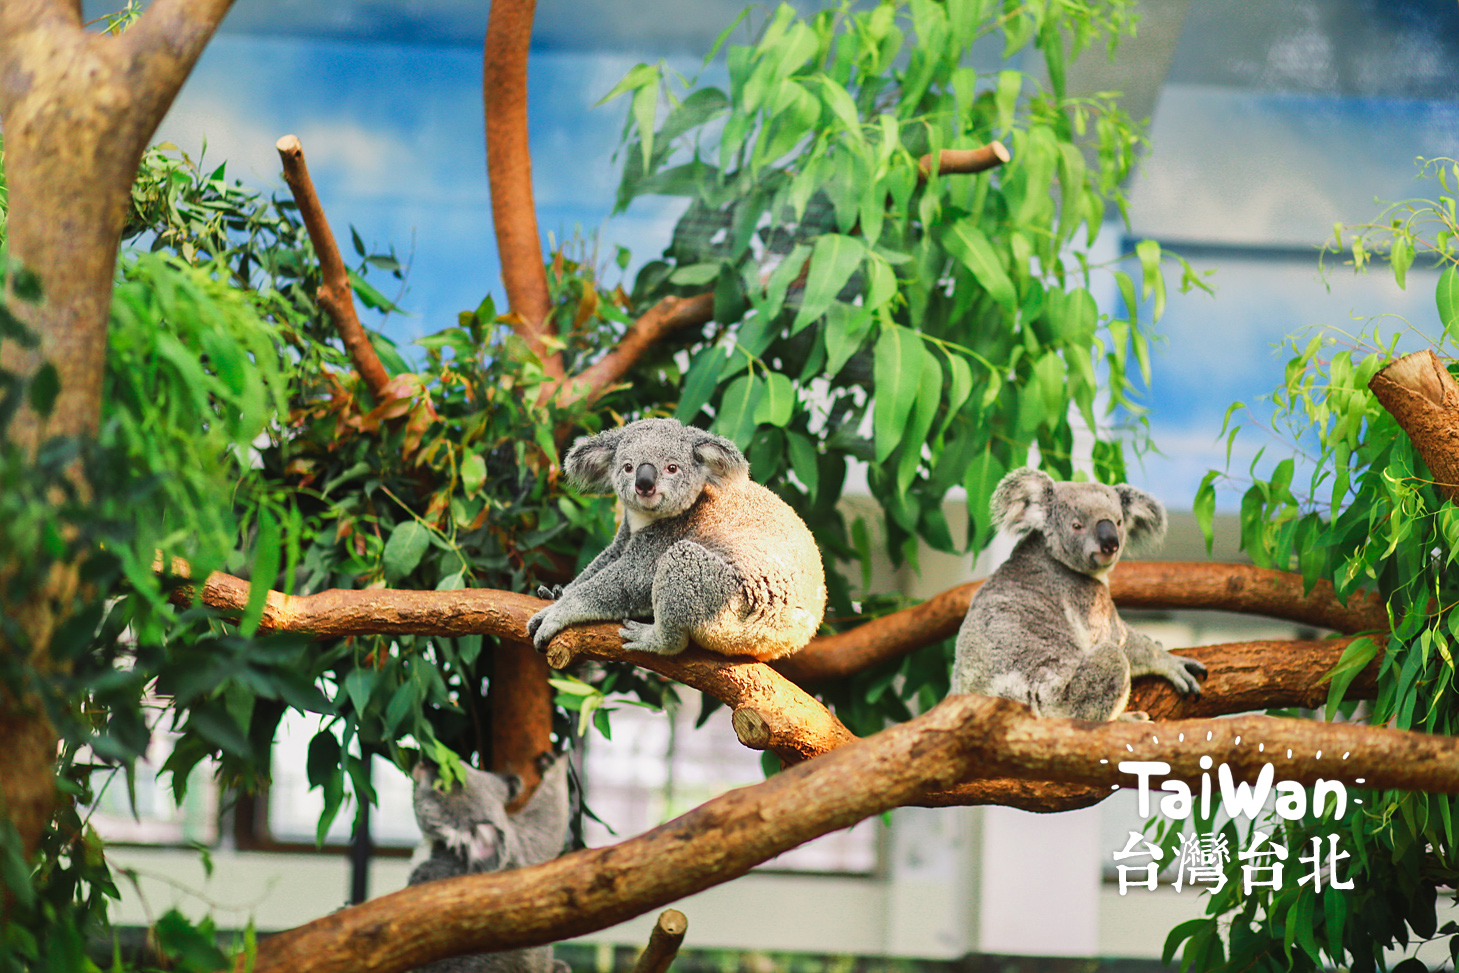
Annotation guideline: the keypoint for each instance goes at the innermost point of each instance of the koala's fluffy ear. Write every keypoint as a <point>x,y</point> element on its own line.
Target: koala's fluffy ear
<point>721,459</point>
<point>591,458</point>
<point>1021,500</point>
<point>1144,517</point>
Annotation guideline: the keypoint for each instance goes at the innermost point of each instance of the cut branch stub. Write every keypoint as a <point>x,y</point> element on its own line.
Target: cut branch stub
<point>965,161</point>
<point>1420,393</point>
<point>336,295</point>
<point>663,943</point>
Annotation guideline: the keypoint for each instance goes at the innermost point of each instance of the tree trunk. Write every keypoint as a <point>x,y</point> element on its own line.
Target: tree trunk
<point>77,110</point>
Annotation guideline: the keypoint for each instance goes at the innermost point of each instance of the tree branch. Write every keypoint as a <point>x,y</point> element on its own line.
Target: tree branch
<point>959,740</point>
<point>663,944</point>
<point>509,170</point>
<point>336,295</point>
<point>772,712</point>
<point>664,318</point>
<point>1137,584</point>
<point>965,161</point>
<point>1421,394</point>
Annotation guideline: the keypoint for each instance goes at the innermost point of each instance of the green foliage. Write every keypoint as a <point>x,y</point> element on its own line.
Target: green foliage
<point>934,330</point>
<point>1369,518</point>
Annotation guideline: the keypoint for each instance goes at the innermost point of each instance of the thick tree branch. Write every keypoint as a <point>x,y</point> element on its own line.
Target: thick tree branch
<point>772,712</point>
<point>1421,394</point>
<point>959,740</point>
<point>664,318</point>
<point>509,170</point>
<point>1136,584</point>
<point>336,295</point>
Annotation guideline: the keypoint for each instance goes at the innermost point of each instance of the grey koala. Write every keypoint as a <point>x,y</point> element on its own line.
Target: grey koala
<point>1043,629</point>
<point>703,550</point>
<point>468,829</point>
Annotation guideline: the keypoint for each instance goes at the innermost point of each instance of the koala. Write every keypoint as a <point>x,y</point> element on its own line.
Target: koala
<point>468,829</point>
<point>703,551</point>
<point>1043,629</point>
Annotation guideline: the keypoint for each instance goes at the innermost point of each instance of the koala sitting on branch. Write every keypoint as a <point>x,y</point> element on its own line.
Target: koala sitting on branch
<point>467,829</point>
<point>1043,629</point>
<point>703,550</point>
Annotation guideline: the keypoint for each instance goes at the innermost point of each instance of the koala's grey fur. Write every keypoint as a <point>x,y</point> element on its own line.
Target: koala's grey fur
<point>703,550</point>
<point>468,829</point>
<point>1043,629</point>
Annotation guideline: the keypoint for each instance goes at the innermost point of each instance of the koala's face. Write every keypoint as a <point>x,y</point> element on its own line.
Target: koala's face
<point>657,467</point>
<point>470,819</point>
<point>1087,526</point>
<point>656,475</point>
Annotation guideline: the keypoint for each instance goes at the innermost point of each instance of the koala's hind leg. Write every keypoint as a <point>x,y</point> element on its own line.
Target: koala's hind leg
<point>1096,690</point>
<point>693,589</point>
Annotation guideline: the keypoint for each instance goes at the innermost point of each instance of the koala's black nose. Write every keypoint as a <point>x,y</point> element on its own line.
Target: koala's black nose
<point>1108,536</point>
<point>646,478</point>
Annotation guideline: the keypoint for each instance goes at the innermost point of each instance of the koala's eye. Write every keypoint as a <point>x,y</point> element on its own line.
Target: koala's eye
<point>628,467</point>
<point>672,468</point>
<point>1078,525</point>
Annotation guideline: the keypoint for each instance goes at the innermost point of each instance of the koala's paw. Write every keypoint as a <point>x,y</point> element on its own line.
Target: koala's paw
<point>1185,675</point>
<point>543,626</point>
<point>1133,716</point>
<point>551,594</point>
<point>646,637</point>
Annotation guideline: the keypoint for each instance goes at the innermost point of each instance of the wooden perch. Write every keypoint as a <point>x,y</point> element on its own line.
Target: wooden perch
<point>1134,584</point>
<point>336,295</point>
<point>1421,394</point>
<point>966,161</point>
<point>663,944</point>
<point>959,740</point>
<point>772,712</point>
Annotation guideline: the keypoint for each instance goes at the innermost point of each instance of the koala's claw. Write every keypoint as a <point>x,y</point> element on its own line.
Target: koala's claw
<point>1133,716</point>
<point>1192,672</point>
<point>542,630</point>
<point>551,594</point>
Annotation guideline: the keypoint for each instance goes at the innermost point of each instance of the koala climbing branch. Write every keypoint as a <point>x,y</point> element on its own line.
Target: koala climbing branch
<point>1135,584</point>
<point>919,761</point>
<point>335,294</point>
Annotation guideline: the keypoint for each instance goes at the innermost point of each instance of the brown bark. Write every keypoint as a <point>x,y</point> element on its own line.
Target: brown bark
<point>335,295</point>
<point>772,712</point>
<point>509,169</point>
<point>1421,394</point>
<point>663,944</point>
<point>664,318</point>
<point>788,721</point>
<point>77,109</point>
<point>965,161</point>
<point>959,740</point>
<point>521,714</point>
<point>1138,584</point>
